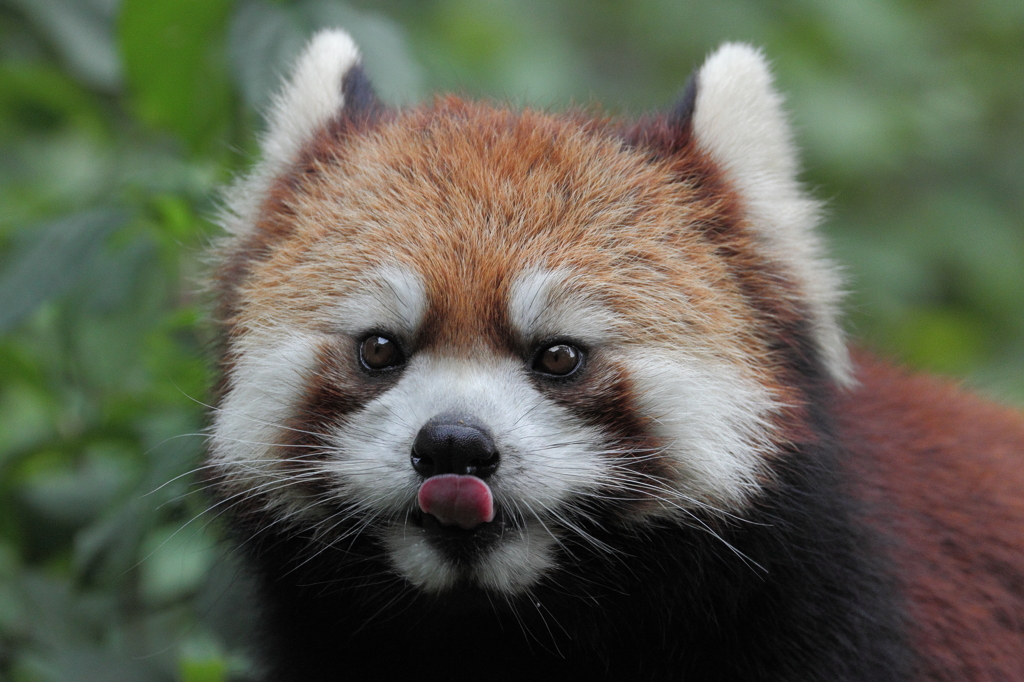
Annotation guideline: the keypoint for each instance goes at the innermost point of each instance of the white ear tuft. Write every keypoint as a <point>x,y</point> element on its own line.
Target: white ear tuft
<point>309,97</point>
<point>739,120</point>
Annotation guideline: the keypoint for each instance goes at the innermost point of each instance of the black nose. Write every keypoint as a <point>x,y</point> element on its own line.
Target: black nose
<point>454,444</point>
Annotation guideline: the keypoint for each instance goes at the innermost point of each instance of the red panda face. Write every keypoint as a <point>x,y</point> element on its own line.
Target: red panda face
<point>466,335</point>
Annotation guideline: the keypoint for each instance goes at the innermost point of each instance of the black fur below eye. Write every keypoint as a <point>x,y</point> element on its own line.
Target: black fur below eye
<point>558,360</point>
<point>378,353</point>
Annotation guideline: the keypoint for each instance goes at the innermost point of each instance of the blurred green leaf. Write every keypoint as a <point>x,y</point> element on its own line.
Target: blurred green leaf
<point>95,664</point>
<point>204,670</point>
<point>34,97</point>
<point>82,32</point>
<point>75,496</point>
<point>26,419</point>
<point>108,548</point>
<point>11,608</point>
<point>202,660</point>
<point>53,262</point>
<point>176,560</point>
<point>175,66</point>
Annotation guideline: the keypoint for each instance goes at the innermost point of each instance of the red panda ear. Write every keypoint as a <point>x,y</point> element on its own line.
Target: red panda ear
<point>326,80</point>
<point>733,113</point>
<point>680,117</point>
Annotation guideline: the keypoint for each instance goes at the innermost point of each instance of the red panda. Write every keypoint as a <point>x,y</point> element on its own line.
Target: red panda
<point>513,395</point>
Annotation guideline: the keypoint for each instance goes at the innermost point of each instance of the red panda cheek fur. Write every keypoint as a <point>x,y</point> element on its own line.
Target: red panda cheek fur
<point>716,492</point>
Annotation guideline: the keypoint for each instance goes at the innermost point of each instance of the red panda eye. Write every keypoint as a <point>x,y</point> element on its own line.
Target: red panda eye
<point>379,352</point>
<point>559,359</point>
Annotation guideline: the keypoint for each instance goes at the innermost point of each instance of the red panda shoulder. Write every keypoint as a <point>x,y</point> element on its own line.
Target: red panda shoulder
<point>940,471</point>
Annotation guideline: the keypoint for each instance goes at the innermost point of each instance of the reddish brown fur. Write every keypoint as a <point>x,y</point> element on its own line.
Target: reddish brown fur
<point>470,196</point>
<point>470,203</point>
<point>943,474</point>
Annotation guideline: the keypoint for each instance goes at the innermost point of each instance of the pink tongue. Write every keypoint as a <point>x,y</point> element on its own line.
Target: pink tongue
<point>464,501</point>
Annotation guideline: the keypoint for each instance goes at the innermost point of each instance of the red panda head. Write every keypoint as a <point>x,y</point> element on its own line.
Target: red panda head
<point>465,335</point>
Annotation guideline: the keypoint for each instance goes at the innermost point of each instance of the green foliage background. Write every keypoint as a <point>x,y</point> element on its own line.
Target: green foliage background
<point>118,120</point>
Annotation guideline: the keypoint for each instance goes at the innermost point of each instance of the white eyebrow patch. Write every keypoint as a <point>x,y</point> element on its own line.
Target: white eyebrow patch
<point>393,298</point>
<point>543,305</point>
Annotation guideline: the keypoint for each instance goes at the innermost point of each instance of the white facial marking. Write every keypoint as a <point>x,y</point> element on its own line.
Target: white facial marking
<point>392,299</point>
<point>739,120</point>
<point>714,424</point>
<point>266,384</point>
<point>712,420</point>
<point>542,305</point>
<point>418,562</point>
<point>548,458</point>
<point>514,567</point>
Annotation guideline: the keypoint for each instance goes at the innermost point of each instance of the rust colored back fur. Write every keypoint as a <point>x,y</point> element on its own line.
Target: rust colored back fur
<point>942,471</point>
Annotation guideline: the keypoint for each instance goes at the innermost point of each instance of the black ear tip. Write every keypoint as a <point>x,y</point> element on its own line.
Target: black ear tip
<point>682,113</point>
<point>358,93</point>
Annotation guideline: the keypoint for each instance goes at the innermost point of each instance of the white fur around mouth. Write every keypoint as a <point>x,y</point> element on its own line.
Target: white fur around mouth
<point>510,563</point>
